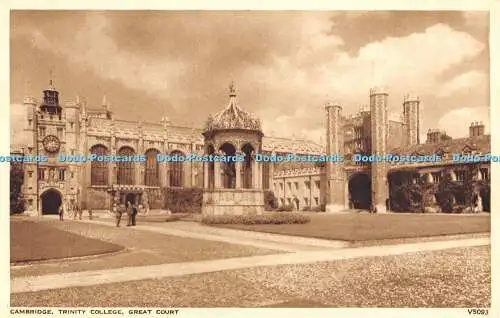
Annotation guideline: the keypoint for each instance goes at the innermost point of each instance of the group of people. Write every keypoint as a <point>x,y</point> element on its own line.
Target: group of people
<point>72,208</point>
<point>129,209</point>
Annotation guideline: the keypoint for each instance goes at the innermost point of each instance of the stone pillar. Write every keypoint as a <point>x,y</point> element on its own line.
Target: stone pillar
<point>255,172</point>
<point>271,173</point>
<point>218,174</point>
<point>453,175</point>
<point>237,166</point>
<point>430,178</point>
<point>379,131</point>
<point>205,175</point>
<point>334,146</point>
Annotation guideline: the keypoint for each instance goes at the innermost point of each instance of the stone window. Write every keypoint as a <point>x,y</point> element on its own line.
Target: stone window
<point>306,201</point>
<point>296,185</point>
<point>42,131</point>
<point>460,175</point>
<point>61,174</point>
<point>41,174</point>
<point>176,171</point>
<point>317,184</point>
<point>484,173</point>
<point>436,176</point>
<point>152,172</point>
<point>281,186</point>
<point>98,169</point>
<point>126,169</point>
<point>308,185</point>
<point>289,186</point>
<point>265,175</point>
<point>30,174</point>
<point>59,133</point>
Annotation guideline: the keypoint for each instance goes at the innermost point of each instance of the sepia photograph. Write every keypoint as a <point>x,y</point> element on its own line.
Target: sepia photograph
<point>170,159</point>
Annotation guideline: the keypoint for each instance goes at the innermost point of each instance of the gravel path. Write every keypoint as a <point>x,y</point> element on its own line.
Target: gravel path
<point>457,277</point>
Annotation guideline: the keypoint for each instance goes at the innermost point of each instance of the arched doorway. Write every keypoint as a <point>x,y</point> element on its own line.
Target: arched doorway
<point>228,168</point>
<point>360,191</point>
<point>51,201</point>
<point>246,171</point>
<point>485,198</point>
<point>130,197</point>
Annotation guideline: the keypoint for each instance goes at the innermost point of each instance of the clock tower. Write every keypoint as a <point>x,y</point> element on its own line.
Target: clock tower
<point>55,132</point>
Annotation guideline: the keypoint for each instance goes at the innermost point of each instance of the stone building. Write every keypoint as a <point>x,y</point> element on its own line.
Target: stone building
<point>73,128</point>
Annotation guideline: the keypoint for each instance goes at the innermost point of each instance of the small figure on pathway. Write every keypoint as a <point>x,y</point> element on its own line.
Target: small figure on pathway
<point>119,211</point>
<point>134,214</point>
<point>90,214</point>
<point>61,212</point>
<point>129,213</point>
<point>80,212</point>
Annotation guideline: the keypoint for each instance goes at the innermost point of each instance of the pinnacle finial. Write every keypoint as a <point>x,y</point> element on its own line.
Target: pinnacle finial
<point>51,80</point>
<point>232,90</point>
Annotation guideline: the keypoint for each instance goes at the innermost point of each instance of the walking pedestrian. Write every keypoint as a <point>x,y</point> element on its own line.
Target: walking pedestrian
<point>61,212</point>
<point>129,213</point>
<point>90,214</point>
<point>119,211</point>
<point>134,214</point>
<point>80,212</point>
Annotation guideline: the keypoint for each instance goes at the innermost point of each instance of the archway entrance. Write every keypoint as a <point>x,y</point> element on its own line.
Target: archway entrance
<point>485,197</point>
<point>51,201</point>
<point>360,191</point>
<point>130,197</point>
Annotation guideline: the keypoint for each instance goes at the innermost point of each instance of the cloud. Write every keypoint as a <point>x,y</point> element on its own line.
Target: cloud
<point>17,115</point>
<point>285,65</point>
<point>456,122</point>
<point>464,82</point>
<point>414,62</point>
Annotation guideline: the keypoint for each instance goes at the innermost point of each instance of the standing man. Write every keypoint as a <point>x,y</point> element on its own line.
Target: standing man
<point>80,212</point>
<point>129,213</point>
<point>61,211</point>
<point>134,213</point>
<point>119,211</point>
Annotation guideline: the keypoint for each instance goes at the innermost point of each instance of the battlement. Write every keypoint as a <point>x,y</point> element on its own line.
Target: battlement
<point>378,91</point>
<point>411,98</point>
<point>476,124</point>
<point>330,104</point>
<point>430,131</point>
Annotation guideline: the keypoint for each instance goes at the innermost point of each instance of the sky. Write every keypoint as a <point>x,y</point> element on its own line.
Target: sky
<point>284,65</point>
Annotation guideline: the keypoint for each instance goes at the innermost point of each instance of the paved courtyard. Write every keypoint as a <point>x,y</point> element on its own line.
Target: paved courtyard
<point>185,264</point>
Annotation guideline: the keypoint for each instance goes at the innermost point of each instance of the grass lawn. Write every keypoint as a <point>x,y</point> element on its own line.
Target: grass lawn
<point>36,241</point>
<point>367,227</point>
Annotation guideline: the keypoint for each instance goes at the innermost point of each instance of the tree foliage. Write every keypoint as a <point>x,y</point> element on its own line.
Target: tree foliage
<point>16,182</point>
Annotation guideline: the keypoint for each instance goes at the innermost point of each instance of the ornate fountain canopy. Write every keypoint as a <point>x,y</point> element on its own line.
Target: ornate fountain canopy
<point>233,117</point>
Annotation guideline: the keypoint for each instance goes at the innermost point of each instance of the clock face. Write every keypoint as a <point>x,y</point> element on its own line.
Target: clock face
<point>51,144</point>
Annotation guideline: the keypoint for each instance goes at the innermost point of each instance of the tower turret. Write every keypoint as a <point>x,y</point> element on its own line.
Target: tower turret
<point>379,132</point>
<point>50,102</point>
<point>335,200</point>
<point>411,118</point>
